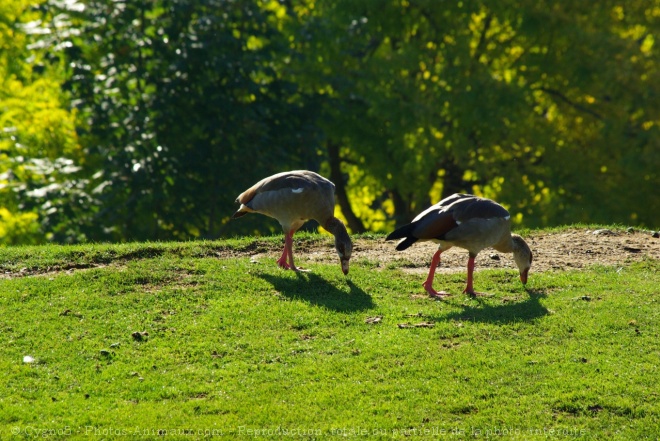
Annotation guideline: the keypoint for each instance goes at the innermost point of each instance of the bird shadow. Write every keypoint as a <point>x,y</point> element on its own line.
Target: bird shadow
<point>527,310</point>
<point>316,290</point>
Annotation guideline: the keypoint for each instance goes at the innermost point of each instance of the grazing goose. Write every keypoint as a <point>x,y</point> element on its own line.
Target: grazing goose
<point>293,198</point>
<point>468,222</point>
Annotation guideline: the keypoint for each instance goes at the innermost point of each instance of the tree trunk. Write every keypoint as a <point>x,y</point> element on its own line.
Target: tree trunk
<point>213,203</point>
<point>453,179</point>
<point>402,213</point>
<point>354,223</point>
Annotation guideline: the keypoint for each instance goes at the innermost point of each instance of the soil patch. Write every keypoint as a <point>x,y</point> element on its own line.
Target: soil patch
<point>568,249</point>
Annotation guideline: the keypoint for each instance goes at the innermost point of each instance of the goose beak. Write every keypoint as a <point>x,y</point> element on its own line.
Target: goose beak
<point>344,267</point>
<point>523,276</point>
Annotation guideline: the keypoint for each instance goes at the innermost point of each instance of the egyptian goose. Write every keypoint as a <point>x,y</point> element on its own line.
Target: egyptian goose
<point>293,198</point>
<point>468,222</point>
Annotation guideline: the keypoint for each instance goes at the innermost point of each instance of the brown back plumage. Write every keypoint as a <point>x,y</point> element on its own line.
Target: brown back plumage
<point>291,198</point>
<point>462,218</point>
<point>294,197</point>
<point>469,222</point>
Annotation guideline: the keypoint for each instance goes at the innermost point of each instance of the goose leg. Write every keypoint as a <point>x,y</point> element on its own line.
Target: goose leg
<point>288,253</point>
<point>281,262</point>
<point>288,245</point>
<point>428,284</point>
<point>469,289</point>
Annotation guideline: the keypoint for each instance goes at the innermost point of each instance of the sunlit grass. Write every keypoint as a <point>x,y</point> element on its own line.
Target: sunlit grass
<point>142,338</point>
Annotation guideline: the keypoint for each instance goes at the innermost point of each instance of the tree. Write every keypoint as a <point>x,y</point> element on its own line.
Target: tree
<point>179,105</point>
<point>182,111</point>
<point>39,150</point>
<point>491,99</point>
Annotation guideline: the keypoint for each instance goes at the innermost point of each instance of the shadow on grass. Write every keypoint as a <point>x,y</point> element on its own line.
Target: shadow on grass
<point>318,291</point>
<point>528,310</point>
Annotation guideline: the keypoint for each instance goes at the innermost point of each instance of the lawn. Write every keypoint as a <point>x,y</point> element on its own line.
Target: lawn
<point>196,340</point>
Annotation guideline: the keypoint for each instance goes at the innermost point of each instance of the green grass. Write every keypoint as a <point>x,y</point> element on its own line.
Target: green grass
<point>234,349</point>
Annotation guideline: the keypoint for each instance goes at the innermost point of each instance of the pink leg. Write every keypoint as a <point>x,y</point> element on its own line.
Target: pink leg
<point>428,284</point>
<point>282,260</point>
<point>287,254</point>
<point>469,289</point>
<point>288,245</point>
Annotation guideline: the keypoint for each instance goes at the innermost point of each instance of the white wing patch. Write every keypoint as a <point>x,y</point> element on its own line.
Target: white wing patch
<point>505,218</point>
<point>297,190</point>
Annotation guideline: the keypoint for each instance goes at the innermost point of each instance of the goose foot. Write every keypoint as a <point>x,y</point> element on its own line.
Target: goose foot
<point>283,264</point>
<point>475,294</point>
<point>433,293</point>
<point>439,295</point>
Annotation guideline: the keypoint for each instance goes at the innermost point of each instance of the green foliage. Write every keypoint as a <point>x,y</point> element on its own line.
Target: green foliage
<point>18,228</point>
<point>493,99</point>
<point>167,336</point>
<point>182,109</point>
<point>144,120</point>
<point>39,148</point>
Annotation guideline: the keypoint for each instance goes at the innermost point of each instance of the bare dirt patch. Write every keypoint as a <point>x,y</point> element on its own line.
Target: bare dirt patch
<point>568,249</point>
<point>562,250</point>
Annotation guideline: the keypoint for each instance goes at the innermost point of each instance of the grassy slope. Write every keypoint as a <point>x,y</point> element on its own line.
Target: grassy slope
<point>235,346</point>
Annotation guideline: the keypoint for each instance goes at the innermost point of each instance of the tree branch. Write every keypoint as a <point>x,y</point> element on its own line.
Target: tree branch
<point>566,100</point>
<point>482,38</point>
<point>354,222</point>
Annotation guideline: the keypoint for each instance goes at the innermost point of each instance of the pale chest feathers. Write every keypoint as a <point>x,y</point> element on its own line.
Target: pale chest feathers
<point>476,234</point>
<point>504,218</point>
<point>292,206</point>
